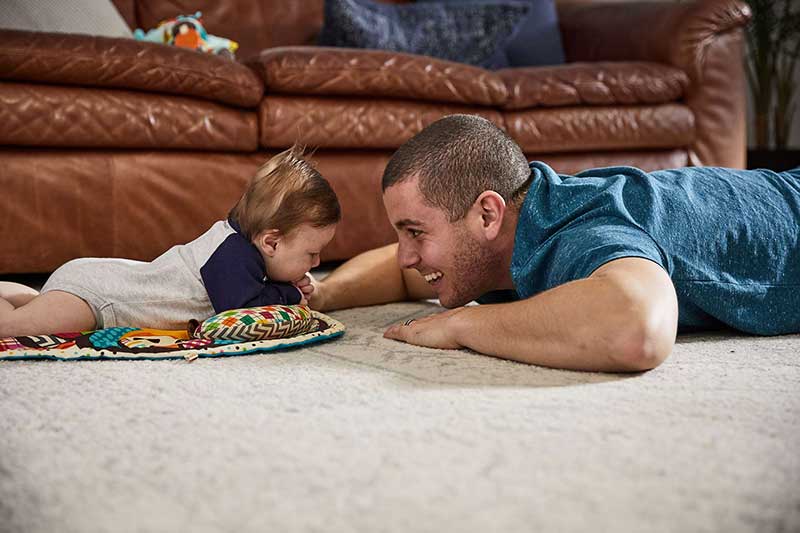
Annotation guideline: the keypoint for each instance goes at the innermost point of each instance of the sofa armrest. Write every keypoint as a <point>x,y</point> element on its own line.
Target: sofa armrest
<point>703,38</point>
<point>665,32</point>
<point>317,70</point>
<point>71,59</point>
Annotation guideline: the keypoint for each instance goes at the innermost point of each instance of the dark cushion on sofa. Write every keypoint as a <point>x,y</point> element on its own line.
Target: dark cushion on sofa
<point>538,40</point>
<point>471,32</point>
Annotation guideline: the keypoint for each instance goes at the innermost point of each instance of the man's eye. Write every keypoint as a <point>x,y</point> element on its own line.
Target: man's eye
<point>414,233</point>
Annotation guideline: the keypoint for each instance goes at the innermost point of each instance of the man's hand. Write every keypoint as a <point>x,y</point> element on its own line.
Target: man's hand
<point>434,331</point>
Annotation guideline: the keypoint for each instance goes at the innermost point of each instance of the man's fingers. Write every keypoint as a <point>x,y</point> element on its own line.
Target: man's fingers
<point>403,330</point>
<point>395,332</point>
<point>431,331</point>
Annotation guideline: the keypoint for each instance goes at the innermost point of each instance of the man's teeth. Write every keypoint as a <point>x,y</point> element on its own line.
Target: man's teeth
<point>433,277</point>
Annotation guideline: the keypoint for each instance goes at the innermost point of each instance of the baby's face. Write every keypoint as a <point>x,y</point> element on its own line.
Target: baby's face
<point>298,252</point>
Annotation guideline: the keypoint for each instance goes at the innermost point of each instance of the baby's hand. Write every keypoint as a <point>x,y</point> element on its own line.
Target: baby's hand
<point>305,287</point>
<point>308,285</point>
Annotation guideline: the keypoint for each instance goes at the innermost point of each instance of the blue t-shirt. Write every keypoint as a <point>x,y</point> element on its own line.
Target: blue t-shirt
<point>729,239</point>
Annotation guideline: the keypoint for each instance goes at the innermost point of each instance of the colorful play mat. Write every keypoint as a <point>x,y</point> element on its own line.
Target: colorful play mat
<point>286,327</point>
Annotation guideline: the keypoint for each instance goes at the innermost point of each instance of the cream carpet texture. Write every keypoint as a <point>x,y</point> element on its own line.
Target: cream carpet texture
<point>369,435</point>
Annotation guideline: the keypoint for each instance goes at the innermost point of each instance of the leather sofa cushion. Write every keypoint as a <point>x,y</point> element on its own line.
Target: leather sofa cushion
<point>136,204</point>
<point>350,123</point>
<point>47,115</point>
<point>601,128</point>
<point>372,123</point>
<point>375,73</point>
<point>603,83</point>
<point>68,59</point>
<point>133,204</point>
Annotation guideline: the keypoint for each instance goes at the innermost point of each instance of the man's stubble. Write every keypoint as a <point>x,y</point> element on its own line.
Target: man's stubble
<point>474,270</point>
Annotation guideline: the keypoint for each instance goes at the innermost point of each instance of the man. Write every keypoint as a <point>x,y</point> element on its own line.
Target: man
<point>606,266</point>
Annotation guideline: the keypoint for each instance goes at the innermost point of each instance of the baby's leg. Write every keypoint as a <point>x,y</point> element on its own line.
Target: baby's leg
<point>51,312</point>
<point>15,294</point>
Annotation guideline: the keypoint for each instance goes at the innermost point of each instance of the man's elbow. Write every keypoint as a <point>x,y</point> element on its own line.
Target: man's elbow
<point>644,355</point>
<point>648,344</point>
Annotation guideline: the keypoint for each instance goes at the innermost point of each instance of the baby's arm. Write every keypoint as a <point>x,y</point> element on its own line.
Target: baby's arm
<point>234,278</point>
<point>275,292</point>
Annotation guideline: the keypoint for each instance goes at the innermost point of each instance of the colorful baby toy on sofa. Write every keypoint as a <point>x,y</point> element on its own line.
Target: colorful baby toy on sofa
<point>187,31</point>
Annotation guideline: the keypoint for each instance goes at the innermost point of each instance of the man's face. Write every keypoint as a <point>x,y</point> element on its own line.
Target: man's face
<point>453,260</point>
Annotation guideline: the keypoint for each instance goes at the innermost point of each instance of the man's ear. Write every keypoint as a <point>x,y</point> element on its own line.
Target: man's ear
<point>267,241</point>
<point>489,209</point>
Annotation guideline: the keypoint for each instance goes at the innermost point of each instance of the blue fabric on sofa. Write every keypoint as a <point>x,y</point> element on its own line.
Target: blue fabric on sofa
<point>538,41</point>
<point>471,32</point>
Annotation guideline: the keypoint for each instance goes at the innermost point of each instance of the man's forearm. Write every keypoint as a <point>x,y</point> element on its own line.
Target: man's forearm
<point>589,324</point>
<point>371,278</point>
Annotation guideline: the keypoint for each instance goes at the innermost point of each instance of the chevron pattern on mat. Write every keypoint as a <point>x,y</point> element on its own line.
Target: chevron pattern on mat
<point>256,323</point>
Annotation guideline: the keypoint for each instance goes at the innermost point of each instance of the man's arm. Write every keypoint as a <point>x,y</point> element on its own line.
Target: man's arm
<point>622,318</point>
<point>371,278</point>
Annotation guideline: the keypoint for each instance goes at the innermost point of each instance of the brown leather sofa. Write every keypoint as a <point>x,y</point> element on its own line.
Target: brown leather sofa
<point>111,147</point>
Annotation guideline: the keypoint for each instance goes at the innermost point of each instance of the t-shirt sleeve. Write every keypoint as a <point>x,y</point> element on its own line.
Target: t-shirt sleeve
<point>578,250</point>
<point>234,278</point>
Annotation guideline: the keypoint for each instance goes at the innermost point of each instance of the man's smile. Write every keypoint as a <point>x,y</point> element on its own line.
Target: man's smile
<point>433,276</point>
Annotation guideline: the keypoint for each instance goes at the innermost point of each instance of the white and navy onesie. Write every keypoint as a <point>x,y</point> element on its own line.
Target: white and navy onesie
<point>219,270</point>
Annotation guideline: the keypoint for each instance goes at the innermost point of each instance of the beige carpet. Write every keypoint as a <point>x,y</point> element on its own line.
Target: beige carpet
<point>366,434</point>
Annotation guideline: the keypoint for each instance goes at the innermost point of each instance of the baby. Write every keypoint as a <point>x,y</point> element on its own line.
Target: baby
<point>260,255</point>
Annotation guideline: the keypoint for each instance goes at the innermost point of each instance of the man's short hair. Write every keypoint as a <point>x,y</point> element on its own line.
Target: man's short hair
<point>457,158</point>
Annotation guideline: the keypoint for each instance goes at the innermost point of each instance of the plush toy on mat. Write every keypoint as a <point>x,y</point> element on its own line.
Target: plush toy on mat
<point>187,31</point>
<point>256,323</point>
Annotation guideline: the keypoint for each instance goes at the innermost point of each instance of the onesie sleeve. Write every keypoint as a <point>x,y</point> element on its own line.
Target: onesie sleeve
<point>234,277</point>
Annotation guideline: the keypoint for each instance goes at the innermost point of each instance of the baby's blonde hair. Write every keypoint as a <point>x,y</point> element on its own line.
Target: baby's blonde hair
<point>285,192</point>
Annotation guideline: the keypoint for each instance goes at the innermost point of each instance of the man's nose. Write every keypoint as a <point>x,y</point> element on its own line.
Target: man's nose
<point>406,256</point>
<point>315,263</point>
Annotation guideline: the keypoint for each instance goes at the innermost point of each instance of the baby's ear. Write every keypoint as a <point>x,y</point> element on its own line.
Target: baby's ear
<point>267,240</point>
